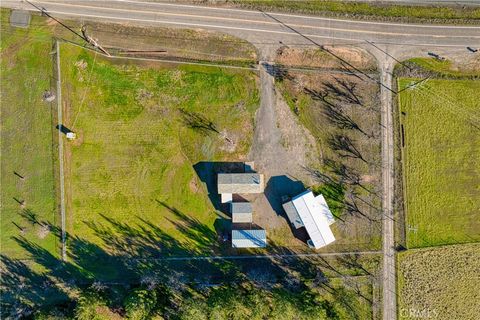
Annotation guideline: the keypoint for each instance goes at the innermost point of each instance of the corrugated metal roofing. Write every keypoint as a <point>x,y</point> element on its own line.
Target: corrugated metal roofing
<point>313,213</point>
<point>241,207</point>
<point>242,212</point>
<point>240,183</point>
<point>249,238</point>
<point>242,217</point>
<point>325,209</point>
<point>292,214</point>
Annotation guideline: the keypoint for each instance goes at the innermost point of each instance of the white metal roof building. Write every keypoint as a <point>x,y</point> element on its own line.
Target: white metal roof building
<point>249,238</point>
<point>312,213</point>
<point>241,212</point>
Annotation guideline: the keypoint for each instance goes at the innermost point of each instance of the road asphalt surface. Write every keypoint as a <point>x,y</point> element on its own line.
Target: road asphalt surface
<point>259,27</point>
<point>267,31</point>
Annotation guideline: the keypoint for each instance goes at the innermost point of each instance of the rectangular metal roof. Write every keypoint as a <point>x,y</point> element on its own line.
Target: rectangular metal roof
<point>242,207</point>
<point>313,213</point>
<point>249,238</point>
<point>292,214</point>
<point>325,209</point>
<point>243,217</point>
<point>241,212</point>
<point>240,183</point>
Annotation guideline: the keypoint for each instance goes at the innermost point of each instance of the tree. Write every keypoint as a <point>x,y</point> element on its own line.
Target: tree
<point>193,308</point>
<point>140,303</point>
<point>198,122</point>
<point>88,304</point>
<point>346,147</point>
<point>344,90</point>
<point>341,120</point>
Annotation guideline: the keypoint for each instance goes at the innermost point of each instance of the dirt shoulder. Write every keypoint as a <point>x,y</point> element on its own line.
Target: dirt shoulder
<point>327,58</point>
<point>196,45</point>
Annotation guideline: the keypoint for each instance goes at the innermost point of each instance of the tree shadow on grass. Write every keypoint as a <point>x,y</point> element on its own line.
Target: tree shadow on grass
<point>132,255</point>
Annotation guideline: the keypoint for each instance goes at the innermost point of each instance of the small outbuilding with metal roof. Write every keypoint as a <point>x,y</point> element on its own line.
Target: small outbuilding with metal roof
<point>249,238</point>
<point>241,212</point>
<point>236,183</point>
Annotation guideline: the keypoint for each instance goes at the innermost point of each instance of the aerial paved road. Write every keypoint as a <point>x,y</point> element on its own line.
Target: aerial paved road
<point>259,27</point>
<point>266,30</point>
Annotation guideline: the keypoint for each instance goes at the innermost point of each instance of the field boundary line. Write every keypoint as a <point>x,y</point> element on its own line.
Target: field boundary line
<point>206,64</point>
<point>264,256</point>
<point>60,154</point>
<point>403,164</point>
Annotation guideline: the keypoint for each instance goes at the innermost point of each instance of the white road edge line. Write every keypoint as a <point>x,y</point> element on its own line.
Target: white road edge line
<point>250,21</point>
<point>237,28</point>
<point>297,16</point>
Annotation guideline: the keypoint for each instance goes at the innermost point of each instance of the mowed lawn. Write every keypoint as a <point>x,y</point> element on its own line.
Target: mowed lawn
<point>439,283</point>
<point>26,139</point>
<point>441,120</point>
<point>131,183</point>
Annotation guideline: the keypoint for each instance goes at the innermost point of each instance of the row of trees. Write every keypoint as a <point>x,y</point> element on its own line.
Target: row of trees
<point>243,301</point>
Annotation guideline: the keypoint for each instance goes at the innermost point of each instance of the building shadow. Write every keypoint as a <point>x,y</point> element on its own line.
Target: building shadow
<point>279,190</point>
<point>207,171</point>
<point>63,129</point>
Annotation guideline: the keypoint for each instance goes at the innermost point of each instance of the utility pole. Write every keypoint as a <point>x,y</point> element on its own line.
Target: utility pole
<point>83,35</point>
<point>93,42</point>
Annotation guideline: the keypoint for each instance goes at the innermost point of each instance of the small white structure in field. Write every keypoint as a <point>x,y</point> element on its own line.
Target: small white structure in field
<point>306,210</point>
<point>249,238</point>
<point>71,135</point>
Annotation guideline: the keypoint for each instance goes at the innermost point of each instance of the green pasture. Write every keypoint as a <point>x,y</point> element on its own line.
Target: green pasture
<point>27,133</point>
<point>441,122</point>
<point>141,129</point>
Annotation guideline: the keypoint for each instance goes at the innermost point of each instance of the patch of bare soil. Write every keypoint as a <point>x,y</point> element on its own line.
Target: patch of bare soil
<point>230,141</point>
<point>161,42</point>
<point>318,58</point>
<point>467,63</point>
<point>194,185</point>
<point>43,231</point>
<point>297,141</point>
<point>343,114</point>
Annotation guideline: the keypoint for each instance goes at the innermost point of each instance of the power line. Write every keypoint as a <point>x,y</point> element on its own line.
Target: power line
<point>414,84</point>
<point>44,12</point>
<point>322,47</point>
<point>83,35</point>
<point>378,48</point>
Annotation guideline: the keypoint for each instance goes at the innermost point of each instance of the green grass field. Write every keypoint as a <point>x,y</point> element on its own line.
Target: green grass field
<point>26,139</point>
<point>446,67</point>
<point>439,283</point>
<point>132,163</point>
<point>441,161</point>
